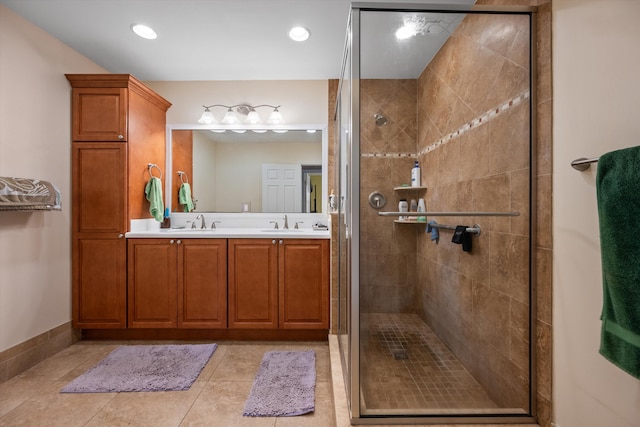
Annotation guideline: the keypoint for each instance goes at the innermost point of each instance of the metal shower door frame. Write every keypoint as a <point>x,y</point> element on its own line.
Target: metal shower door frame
<point>353,219</point>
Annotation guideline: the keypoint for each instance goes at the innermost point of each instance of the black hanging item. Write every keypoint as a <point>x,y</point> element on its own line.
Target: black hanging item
<point>462,237</point>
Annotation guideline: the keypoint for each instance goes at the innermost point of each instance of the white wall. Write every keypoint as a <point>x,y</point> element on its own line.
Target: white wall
<point>303,101</point>
<point>35,135</point>
<point>35,252</point>
<point>596,62</point>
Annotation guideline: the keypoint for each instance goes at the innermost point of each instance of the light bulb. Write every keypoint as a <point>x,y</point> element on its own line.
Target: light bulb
<point>406,31</point>
<point>275,118</point>
<point>144,31</point>
<point>299,34</point>
<point>230,118</point>
<point>253,117</point>
<point>206,117</point>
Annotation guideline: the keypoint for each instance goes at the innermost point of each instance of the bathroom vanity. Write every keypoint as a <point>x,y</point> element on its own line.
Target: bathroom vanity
<point>235,283</point>
<point>247,281</point>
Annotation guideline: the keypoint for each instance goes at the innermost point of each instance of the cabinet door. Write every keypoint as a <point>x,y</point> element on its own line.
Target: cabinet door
<point>202,283</point>
<point>99,283</point>
<point>253,281</point>
<point>152,293</point>
<point>99,114</point>
<point>304,284</point>
<point>99,185</point>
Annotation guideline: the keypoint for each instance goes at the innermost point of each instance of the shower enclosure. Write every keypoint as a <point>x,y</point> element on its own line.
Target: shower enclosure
<point>435,309</point>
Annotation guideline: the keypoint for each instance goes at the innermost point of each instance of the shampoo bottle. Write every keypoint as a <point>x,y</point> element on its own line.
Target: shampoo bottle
<point>403,206</point>
<point>422,208</point>
<point>415,175</point>
<point>332,201</point>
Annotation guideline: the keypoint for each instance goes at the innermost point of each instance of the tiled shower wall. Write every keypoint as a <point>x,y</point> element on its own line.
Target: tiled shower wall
<point>473,135</point>
<point>387,249</point>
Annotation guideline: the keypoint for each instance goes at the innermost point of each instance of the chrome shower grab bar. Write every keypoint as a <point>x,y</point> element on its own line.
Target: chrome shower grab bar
<point>449,213</point>
<point>473,230</point>
<point>582,164</point>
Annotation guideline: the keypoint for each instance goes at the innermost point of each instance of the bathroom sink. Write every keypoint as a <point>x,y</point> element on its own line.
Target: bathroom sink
<point>281,230</point>
<point>189,230</point>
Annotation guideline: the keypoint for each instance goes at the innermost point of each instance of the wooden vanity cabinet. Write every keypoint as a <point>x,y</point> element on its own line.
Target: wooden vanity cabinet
<point>99,221</point>
<point>303,284</point>
<point>177,283</point>
<point>99,114</point>
<point>118,127</point>
<point>279,283</point>
<point>253,283</point>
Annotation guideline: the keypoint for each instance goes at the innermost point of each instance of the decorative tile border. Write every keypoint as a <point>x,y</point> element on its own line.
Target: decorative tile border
<point>385,155</point>
<point>478,121</point>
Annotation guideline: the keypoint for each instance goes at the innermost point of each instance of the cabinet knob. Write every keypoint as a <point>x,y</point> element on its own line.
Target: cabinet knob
<point>120,136</point>
<point>281,242</point>
<point>171,241</point>
<point>120,236</point>
<point>273,241</point>
<point>178,241</point>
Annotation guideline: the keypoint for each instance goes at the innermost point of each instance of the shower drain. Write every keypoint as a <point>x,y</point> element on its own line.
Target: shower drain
<point>400,355</point>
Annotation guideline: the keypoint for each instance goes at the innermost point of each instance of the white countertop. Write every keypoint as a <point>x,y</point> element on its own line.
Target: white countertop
<point>229,226</point>
<point>229,233</point>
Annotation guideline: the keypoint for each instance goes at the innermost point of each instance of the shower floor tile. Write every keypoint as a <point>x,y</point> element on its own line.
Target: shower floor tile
<point>406,366</point>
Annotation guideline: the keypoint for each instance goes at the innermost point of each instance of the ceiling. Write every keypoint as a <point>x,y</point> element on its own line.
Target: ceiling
<point>201,39</point>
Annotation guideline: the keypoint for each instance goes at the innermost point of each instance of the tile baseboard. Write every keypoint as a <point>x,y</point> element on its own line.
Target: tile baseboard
<point>23,356</point>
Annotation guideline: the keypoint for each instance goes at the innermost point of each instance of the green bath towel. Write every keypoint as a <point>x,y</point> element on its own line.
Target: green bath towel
<point>153,191</point>
<point>184,197</point>
<point>618,189</point>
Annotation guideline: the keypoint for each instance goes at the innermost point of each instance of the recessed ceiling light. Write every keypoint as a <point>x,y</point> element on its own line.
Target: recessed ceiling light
<point>299,34</point>
<point>144,31</point>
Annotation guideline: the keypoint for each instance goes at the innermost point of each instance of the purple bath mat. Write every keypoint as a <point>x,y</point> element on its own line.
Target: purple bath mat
<point>144,368</point>
<point>284,386</point>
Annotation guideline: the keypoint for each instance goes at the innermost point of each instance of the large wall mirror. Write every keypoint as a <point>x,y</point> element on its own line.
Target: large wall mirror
<point>248,169</point>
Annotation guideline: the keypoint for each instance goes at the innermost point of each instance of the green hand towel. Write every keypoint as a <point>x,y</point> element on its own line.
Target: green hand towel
<point>618,189</point>
<point>153,191</point>
<point>184,197</point>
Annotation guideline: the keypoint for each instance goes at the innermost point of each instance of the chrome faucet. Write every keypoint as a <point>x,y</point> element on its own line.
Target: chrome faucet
<point>201,217</point>
<point>213,224</point>
<point>286,223</point>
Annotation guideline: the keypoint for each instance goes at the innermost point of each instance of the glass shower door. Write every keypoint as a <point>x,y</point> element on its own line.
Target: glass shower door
<point>441,316</point>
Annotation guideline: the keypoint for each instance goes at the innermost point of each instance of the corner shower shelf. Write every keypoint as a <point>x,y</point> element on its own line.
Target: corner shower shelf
<point>407,188</point>
<point>408,221</point>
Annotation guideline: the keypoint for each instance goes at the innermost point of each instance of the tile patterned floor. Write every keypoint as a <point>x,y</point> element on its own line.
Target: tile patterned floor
<point>406,366</point>
<point>216,398</point>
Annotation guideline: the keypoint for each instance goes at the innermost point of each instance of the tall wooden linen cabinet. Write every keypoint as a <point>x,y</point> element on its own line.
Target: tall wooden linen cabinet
<point>118,128</point>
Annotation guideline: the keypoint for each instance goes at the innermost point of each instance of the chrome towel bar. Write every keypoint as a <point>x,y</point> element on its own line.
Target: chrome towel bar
<point>582,164</point>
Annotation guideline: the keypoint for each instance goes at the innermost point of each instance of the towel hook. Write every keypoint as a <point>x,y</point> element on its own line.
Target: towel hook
<point>182,177</point>
<point>151,166</point>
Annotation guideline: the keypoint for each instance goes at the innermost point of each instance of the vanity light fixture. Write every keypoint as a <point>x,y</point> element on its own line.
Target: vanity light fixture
<point>299,34</point>
<point>231,116</point>
<point>144,31</point>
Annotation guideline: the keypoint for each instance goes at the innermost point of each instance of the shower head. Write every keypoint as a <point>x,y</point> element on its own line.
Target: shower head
<point>380,119</point>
